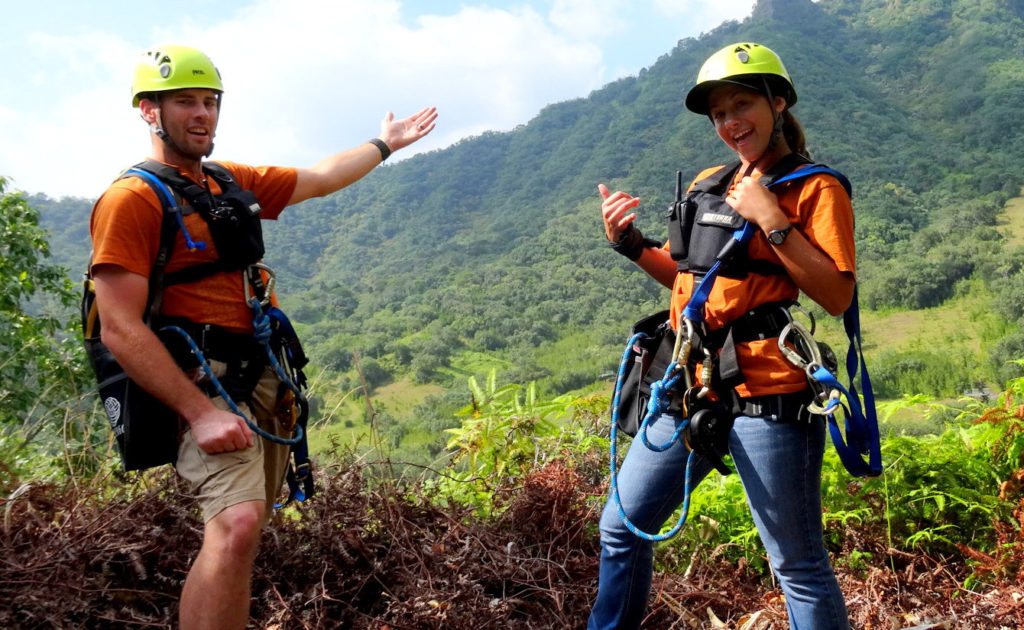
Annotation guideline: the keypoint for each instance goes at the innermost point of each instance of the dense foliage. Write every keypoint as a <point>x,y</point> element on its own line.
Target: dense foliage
<point>41,364</point>
<point>494,245</point>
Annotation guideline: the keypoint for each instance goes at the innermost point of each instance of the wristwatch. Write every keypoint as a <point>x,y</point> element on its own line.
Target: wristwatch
<point>778,237</point>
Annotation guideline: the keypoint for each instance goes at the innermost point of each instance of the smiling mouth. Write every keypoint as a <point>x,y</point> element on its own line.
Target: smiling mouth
<point>740,137</point>
<point>198,131</point>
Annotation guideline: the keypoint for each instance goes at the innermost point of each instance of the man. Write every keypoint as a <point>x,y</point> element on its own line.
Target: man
<point>234,474</point>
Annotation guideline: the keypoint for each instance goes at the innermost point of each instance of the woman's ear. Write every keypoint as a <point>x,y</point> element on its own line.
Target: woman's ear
<point>780,104</point>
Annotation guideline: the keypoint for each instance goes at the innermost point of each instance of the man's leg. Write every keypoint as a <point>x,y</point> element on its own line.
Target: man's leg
<point>235,492</point>
<point>218,588</point>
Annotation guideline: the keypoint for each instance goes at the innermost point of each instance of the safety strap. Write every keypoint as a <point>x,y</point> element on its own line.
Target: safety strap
<point>694,310</point>
<point>171,223</point>
<point>862,435</point>
<point>299,475</point>
<point>198,198</point>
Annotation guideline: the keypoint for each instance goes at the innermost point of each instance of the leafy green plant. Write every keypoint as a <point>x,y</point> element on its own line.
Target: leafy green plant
<point>505,432</point>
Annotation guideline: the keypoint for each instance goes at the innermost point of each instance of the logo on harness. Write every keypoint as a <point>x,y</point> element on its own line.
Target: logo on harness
<point>113,408</point>
<point>720,219</point>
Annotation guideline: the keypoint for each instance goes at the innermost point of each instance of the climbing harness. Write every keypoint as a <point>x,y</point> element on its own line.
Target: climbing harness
<point>233,218</point>
<point>705,425</point>
<point>232,405</point>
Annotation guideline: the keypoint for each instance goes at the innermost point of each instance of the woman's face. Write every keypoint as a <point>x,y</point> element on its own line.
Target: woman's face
<point>743,119</point>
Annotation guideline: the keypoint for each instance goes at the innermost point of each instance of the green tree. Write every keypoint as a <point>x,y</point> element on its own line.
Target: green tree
<point>39,357</point>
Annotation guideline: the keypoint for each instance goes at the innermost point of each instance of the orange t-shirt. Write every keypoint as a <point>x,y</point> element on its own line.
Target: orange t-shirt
<point>125,229</point>
<point>820,209</point>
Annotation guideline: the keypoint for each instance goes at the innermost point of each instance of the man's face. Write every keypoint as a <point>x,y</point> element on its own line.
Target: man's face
<point>189,117</point>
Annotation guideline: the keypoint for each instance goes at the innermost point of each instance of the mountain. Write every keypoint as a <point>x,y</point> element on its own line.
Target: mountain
<point>495,244</point>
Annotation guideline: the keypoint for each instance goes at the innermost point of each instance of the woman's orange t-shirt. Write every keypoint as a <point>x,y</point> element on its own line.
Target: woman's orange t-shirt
<point>820,209</point>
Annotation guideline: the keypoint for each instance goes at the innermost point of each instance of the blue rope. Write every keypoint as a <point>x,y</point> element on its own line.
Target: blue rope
<point>270,437</point>
<point>264,332</point>
<point>655,407</point>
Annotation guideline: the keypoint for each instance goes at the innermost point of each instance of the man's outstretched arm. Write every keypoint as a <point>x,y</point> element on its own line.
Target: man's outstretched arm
<point>341,169</point>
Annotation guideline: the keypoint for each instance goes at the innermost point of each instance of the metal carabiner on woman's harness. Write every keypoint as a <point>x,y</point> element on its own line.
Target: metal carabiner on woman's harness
<point>806,355</point>
<point>681,357</point>
<point>683,346</point>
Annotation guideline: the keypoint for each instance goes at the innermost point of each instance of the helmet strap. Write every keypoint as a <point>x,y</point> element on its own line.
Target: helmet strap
<point>158,128</point>
<point>776,117</point>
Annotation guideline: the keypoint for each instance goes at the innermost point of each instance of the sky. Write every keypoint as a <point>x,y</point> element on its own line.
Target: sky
<point>307,78</point>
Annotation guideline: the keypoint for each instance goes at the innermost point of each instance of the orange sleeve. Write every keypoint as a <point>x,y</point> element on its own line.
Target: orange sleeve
<point>826,219</point>
<point>125,226</point>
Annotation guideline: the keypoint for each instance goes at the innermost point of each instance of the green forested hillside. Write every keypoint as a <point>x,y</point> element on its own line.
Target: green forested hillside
<point>489,257</point>
<point>494,245</point>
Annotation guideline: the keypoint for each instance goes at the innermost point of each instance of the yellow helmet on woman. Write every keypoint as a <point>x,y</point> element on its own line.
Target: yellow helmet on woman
<point>174,67</point>
<point>748,64</point>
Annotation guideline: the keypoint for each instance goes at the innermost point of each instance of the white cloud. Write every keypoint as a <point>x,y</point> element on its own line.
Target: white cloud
<point>302,80</point>
<point>306,79</point>
<point>699,15</point>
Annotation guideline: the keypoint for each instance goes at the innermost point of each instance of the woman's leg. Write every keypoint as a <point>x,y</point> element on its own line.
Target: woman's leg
<point>651,487</point>
<point>780,466</point>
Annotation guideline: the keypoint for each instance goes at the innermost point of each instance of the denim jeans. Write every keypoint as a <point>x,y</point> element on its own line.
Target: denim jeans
<point>779,464</point>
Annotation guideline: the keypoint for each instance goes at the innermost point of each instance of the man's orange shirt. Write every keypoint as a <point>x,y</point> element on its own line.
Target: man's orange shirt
<point>820,209</point>
<point>125,230</point>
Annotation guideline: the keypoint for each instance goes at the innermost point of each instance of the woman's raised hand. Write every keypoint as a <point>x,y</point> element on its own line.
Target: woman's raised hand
<point>616,212</point>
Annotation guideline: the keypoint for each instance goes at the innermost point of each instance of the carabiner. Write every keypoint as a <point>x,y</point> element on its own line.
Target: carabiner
<point>804,341</point>
<point>268,290</point>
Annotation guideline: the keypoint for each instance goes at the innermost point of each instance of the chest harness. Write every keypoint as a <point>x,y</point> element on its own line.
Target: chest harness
<point>707,238</point>
<point>234,223</point>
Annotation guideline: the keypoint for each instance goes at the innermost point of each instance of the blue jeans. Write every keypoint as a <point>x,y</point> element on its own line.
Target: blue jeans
<point>780,467</point>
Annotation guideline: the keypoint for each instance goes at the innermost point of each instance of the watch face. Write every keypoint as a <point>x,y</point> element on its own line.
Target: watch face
<point>778,237</point>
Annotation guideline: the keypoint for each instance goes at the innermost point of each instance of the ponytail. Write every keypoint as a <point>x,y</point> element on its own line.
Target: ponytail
<point>793,132</point>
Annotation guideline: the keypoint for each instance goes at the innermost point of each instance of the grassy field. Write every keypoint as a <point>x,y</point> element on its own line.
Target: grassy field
<point>1011,223</point>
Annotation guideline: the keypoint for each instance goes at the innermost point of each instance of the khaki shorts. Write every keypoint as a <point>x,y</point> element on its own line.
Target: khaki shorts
<point>254,474</point>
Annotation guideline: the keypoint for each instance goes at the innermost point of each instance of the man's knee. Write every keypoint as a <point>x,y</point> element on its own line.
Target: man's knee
<point>236,530</point>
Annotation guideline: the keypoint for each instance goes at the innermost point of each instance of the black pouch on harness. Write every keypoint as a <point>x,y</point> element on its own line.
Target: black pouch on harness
<point>233,217</point>
<point>236,229</point>
<point>145,429</point>
<point>650,358</point>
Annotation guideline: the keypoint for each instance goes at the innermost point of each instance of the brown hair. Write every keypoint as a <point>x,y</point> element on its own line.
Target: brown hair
<point>793,132</point>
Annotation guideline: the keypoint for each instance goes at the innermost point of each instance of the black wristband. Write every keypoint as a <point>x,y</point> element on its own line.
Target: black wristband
<point>632,243</point>
<point>385,150</point>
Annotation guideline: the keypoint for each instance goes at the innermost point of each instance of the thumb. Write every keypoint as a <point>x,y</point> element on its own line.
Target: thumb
<point>601,188</point>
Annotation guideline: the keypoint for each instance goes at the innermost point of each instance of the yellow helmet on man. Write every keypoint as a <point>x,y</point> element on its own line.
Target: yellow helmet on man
<point>173,67</point>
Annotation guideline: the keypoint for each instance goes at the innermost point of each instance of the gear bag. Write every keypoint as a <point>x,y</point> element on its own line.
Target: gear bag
<point>650,358</point>
<point>145,429</point>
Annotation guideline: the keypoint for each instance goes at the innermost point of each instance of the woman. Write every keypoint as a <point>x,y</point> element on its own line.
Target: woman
<point>803,242</point>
